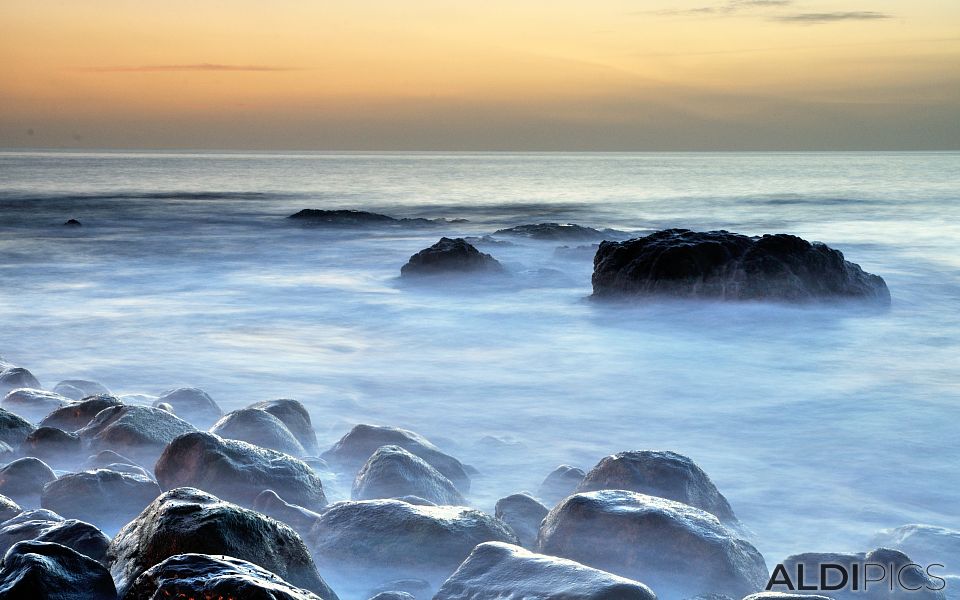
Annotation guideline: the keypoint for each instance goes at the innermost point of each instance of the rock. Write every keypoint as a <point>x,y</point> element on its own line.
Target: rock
<point>354,218</point>
<point>166,406</point>
<point>79,414</point>
<point>53,446</point>
<point>7,453</point>
<point>393,596</point>
<point>926,544</point>
<point>497,571</point>
<point>559,232</point>
<point>523,514</point>
<point>450,256</point>
<point>560,483</point>
<point>45,526</point>
<point>205,576</point>
<point>418,588</point>
<point>299,518</point>
<point>44,571</point>
<point>417,500</point>
<point>392,471</point>
<point>676,549</point>
<point>784,596</point>
<point>101,459</point>
<point>387,539</point>
<point>187,520</point>
<point>79,389</point>
<point>295,416</point>
<point>729,266</point>
<point>353,450</point>
<point>665,474</point>
<point>193,405</point>
<point>23,479</point>
<point>107,499</point>
<point>33,404</point>
<point>8,509</point>
<point>140,432</point>
<point>12,378</point>
<point>237,471</point>
<point>72,223</point>
<point>13,428</point>
<point>260,428</point>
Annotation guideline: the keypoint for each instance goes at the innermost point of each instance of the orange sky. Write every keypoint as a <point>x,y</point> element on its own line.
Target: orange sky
<point>498,74</point>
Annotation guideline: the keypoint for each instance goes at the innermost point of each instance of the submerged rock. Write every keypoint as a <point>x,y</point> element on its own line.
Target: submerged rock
<point>496,571</point>
<point>392,471</point>
<point>78,389</point>
<point>523,514</point>
<point>79,414</point>
<point>299,518</point>
<point>676,549</point>
<point>355,218</point>
<point>729,266</point>
<point>560,483</point>
<point>23,479</point>
<point>45,571</point>
<point>72,223</point>
<point>12,378</point>
<point>295,416</point>
<point>140,432</point>
<point>13,428</point>
<point>54,446</point>
<point>924,543</point>
<point>107,499</point>
<point>559,232</point>
<point>33,404</point>
<point>193,405</point>
<point>260,428</point>
<point>450,256</point>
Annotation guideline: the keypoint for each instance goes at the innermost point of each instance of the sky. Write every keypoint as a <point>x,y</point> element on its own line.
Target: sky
<point>655,75</point>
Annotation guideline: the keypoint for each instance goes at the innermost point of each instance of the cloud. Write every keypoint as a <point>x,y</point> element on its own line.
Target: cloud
<point>193,67</point>
<point>830,17</point>
<point>726,8</point>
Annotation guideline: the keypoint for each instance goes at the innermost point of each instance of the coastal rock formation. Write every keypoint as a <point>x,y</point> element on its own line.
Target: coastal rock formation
<point>23,480</point>
<point>450,256</point>
<point>676,549</point>
<point>79,414</point>
<point>187,520</point>
<point>78,389</point>
<point>924,543</point>
<point>523,514</point>
<point>140,432</point>
<point>392,472</point>
<point>72,223</point>
<point>559,232</point>
<point>356,218</point>
<point>560,483</point>
<point>665,474</point>
<point>299,518</point>
<point>46,571</point>
<point>33,404</point>
<point>505,572</point>
<point>237,471</point>
<point>260,428</point>
<point>729,266</point>
<point>107,499</point>
<point>193,405</point>
<point>54,446</point>
<point>12,378</point>
<point>295,416</point>
<point>13,428</point>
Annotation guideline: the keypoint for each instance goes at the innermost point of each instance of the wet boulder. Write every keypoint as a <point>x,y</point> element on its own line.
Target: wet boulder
<point>497,571</point>
<point>353,450</point>
<point>186,520</point>
<point>260,428</point>
<point>44,526</point>
<point>193,405</point>
<point>54,446</point>
<point>295,416</point>
<point>393,595</point>
<point>237,471</point>
<point>45,571</point>
<point>23,480</point>
<point>665,474</point>
<point>560,483</point>
<point>523,514</point>
<point>13,428</point>
<point>450,256</point>
<point>78,389</point>
<point>393,472</point>
<point>26,526</point>
<point>12,378</point>
<point>419,589</point>
<point>555,232</point>
<point>348,218</point>
<point>140,432</point>
<point>730,266</point>
<point>79,414</point>
<point>108,499</point>
<point>924,543</point>
<point>268,502</point>
<point>8,508</point>
<point>33,404</point>
<point>676,549</point>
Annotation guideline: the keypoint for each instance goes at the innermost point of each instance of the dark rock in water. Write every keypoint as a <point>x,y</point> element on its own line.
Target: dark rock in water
<point>186,520</point>
<point>214,577</point>
<point>393,596</point>
<point>33,404</point>
<point>260,428</point>
<point>44,526</point>
<point>73,223</point>
<point>26,526</point>
<point>582,252</point>
<point>12,378</point>
<point>355,218</point>
<point>13,428</point>
<point>450,256</point>
<point>391,539</point>
<point>78,389</point>
<point>926,544</point>
<point>418,588</point>
<point>140,432</point>
<point>523,514</point>
<point>560,483</point>
<point>676,549</point>
<point>353,450</point>
<point>299,518</point>
<point>729,266</point>
<point>295,416</point>
<point>559,232</point>
<point>53,446</point>
<point>45,571</point>
<point>23,479</point>
<point>8,508</point>
<point>193,405</point>
<point>665,474</point>
<point>79,414</point>
<point>392,471</point>
<point>107,499</point>
<point>237,471</point>
<point>496,571</point>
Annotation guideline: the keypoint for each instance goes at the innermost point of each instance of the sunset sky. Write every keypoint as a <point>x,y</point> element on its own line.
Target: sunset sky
<point>492,75</point>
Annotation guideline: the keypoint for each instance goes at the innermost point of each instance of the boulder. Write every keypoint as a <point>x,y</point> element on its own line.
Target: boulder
<point>72,223</point>
<point>108,499</point>
<point>450,256</point>
<point>7,453</point>
<point>186,520</point>
<point>353,450</point>
<point>295,416</point>
<point>54,446</point>
<point>45,571</point>
<point>140,432</point>
<point>44,526</point>
<point>497,571</point>
<point>729,266</point>
<point>523,514</point>
<point>392,595</point>
<point>193,405</point>
<point>354,218</point>
<point>665,474</point>
<point>299,518</point>
<point>392,471</point>
<point>676,549</point>
<point>559,232</point>
<point>23,479</point>
<point>8,508</point>
<point>79,414</point>
<point>13,428</point>
<point>78,389</point>
<point>33,404</point>
<point>420,589</point>
<point>237,471</point>
<point>560,483</point>
<point>260,428</point>
<point>12,378</point>
<point>924,543</point>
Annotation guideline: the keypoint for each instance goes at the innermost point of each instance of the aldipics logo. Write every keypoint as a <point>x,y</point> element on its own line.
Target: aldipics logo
<point>882,570</point>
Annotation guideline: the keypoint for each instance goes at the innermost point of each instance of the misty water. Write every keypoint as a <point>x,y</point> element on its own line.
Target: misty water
<point>821,424</point>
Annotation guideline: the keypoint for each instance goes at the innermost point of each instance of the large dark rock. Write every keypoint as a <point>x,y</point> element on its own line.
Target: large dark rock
<point>33,404</point>
<point>72,223</point>
<point>496,571</point>
<point>559,232</point>
<point>237,471</point>
<point>23,479</point>
<point>295,416</point>
<point>8,508</point>
<point>12,378</point>
<point>78,389</point>
<point>13,428</point>
<point>187,520</point>
<point>354,218</point>
<point>140,432</point>
<point>450,256</point>
<point>53,446</point>
<point>45,526</point>
<point>729,266</point>
<point>45,571</point>
<point>393,472</point>
<point>924,543</point>
<point>213,577</point>
<point>523,514</point>
<point>560,483</point>
<point>676,549</point>
<point>108,499</point>
<point>78,415</point>
<point>193,405</point>
<point>260,428</point>
<point>299,518</point>
<point>665,474</point>
<point>26,526</point>
<point>353,450</point>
